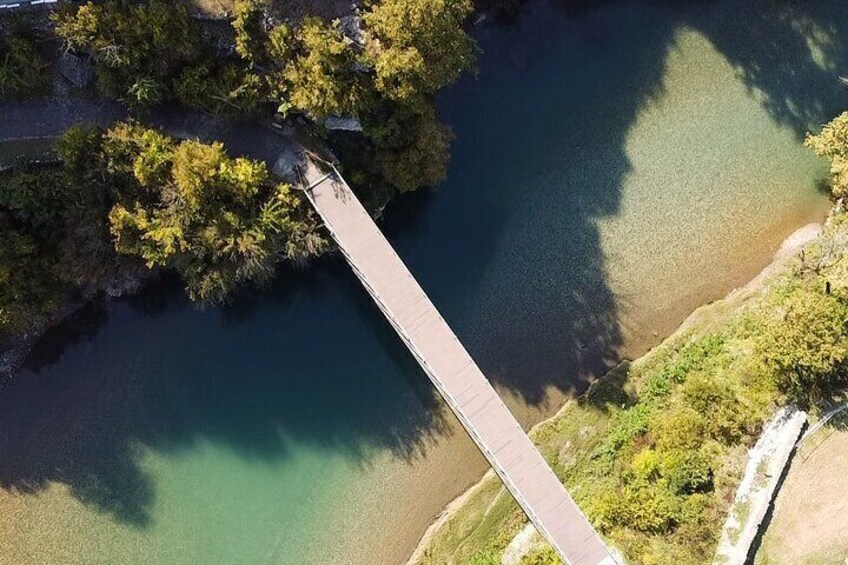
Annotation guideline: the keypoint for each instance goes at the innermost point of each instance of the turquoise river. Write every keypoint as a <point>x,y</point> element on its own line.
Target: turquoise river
<point>613,169</point>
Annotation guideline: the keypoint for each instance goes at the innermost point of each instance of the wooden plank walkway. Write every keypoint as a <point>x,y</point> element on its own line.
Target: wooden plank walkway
<point>456,376</point>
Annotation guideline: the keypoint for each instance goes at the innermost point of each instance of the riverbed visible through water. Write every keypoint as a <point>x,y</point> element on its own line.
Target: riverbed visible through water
<point>613,169</point>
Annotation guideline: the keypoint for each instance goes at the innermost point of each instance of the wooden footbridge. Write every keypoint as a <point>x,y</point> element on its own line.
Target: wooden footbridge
<point>456,376</point>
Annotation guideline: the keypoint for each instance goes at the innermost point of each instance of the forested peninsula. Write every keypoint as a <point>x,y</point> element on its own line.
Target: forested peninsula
<point>111,204</point>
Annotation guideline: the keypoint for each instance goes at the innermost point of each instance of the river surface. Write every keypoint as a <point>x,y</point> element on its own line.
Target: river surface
<point>612,170</point>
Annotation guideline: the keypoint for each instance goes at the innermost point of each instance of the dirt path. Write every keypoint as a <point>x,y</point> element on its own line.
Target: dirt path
<point>810,522</point>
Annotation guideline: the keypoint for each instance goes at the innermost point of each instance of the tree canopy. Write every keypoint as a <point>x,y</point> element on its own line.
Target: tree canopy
<point>802,335</point>
<point>150,52</point>
<point>218,221</point>
<point>418,46</point>
<point>134,196</point>
<point>137,48</point>
<point>23,69</point>
<point>832,142</point>
<point>321,75</point>
<point>418,154</point>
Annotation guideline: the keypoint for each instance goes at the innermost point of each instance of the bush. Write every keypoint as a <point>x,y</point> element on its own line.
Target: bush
<point>643,506</point>
<point>484,557</point>
<point>138,49</point>
<point>801,334</point>
<point>679,427</point>
<point>728,417</point>
<point>23,71</point>
<point>646,464</point>
<point>418,46</point>
<point>685,471</point>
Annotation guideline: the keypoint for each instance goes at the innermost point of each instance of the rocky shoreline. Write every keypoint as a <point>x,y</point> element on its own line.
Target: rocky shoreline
<point>14,351</point>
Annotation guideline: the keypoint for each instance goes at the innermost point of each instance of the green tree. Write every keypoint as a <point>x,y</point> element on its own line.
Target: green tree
<point>802,335</point>
<point>89,188</point>
<point>221,90</point>
<point>216,220</point>
<point>417,153</point>
<point>320,76</point>
<point>418,46</point>
<point>137,48</point>
<point>832,143</point>
<point>249,27</point>
<point>23,70</point>
<point>32,196</point>
<point>30,282</point>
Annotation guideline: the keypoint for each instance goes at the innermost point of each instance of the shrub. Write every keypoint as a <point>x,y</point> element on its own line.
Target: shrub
<point>646,464</point>
<point>418,46</point>
<point>727,415</point>
<point>23,71</point>
<point>679,427</point>
<point>484,557</point>
<point>685,471</point>
<point>801,333</point>
<point>138,49</point>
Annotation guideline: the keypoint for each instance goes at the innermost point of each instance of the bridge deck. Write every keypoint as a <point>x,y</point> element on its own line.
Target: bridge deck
<point>456,376</point>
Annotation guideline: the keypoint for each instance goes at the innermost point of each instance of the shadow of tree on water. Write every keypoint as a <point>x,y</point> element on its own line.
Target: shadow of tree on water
<point>791,55</point>
<point>550,318</point>
<point>163,375</point>
<point>312,361</point>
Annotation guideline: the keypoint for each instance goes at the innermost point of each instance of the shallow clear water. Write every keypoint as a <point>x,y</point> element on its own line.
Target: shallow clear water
<point>612,170</point>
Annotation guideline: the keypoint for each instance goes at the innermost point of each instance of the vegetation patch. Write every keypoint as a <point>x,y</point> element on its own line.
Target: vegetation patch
<point>24,71</point>
<point>131,198</point>
<point>381,69</point>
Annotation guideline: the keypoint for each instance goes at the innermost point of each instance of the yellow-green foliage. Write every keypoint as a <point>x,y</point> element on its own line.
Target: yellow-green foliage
<point>418,46</point>
<point>411,50</point>
<point>249,30</point>
<point>218,221</point>
<point>832,143</point>
<point>801,335</point>
<point>132,196</point>
<point>138,48</point>
<point>220,89</point>
<point>320,76</point>
<point>542,556</point>
<point>23,70</point>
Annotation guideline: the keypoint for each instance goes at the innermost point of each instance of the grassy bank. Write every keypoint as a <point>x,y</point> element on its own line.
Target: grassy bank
<point>653,451</point>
